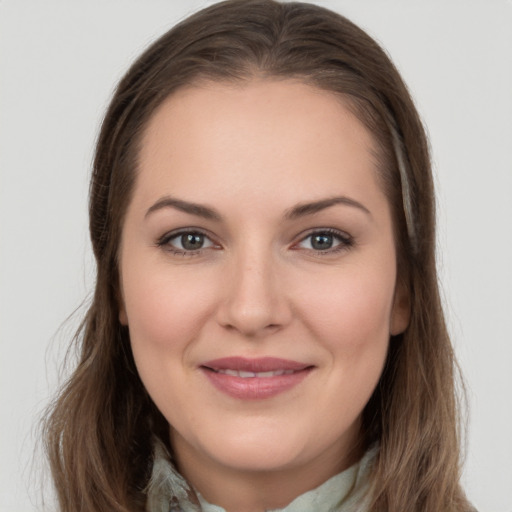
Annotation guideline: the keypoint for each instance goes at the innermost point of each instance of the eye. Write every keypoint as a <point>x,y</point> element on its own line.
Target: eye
<point>186,242</point>
<point>325,241</point>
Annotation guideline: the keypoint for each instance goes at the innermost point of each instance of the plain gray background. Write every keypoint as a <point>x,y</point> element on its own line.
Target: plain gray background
<point>59,63</point>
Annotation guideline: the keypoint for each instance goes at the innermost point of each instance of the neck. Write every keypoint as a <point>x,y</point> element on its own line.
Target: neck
<point>242,490</point>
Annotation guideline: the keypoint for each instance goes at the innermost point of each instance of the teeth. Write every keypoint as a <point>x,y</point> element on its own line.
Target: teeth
<point>268,374</point>
<point>250,375</point>
<point>246,374</point>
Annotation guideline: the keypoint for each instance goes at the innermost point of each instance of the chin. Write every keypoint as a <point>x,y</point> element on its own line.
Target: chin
<point>266,447</point>
<point>258,459</point>
<point>263,456</point>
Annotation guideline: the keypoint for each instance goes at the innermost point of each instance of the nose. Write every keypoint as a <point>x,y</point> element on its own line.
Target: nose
<point>255,302</point>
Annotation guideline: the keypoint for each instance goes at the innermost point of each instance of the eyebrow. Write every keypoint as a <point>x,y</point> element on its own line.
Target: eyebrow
<point>185,206</point>
<point>310,208</point>
<point>300,210</point>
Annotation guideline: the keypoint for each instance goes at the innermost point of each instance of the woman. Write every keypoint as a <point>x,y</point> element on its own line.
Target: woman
<point>266,330</point>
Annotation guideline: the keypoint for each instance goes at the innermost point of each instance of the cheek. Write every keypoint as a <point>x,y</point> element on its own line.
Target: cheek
<point>350,317</point>
<point>165,312</point>
<point>350,310</point>
<point>165,315</point>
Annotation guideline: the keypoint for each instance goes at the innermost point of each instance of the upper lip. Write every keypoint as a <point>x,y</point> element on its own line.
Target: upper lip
<point>256,365</point>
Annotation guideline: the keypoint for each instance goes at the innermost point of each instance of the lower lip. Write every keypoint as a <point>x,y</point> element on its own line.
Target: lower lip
<point>255,388</point>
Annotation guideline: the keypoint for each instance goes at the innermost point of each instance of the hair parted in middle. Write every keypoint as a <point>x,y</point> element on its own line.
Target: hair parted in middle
<point>99,434</point>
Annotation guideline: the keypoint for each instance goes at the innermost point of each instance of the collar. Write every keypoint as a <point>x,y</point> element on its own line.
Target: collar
<point>347,491</point>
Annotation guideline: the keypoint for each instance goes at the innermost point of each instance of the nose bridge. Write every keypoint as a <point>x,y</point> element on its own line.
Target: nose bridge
<point>254,302</point>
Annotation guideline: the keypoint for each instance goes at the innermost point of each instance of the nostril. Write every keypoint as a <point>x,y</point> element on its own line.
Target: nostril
<point>253,307</point>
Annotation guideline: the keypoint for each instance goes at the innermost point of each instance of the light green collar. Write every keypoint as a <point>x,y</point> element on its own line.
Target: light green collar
<point>345,492</point>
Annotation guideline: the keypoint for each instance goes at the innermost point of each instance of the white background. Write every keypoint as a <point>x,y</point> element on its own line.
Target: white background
<point>59,63</point>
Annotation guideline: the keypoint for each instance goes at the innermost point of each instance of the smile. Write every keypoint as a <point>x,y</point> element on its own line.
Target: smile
<point>254,379</point>
<point>250,375</point>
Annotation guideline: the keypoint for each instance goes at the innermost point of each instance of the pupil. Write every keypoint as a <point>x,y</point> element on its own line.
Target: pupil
<point>192,241</point>
<point>322,242</point>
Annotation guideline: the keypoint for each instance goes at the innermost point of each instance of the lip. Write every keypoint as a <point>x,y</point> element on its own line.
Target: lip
<point>254,379</point>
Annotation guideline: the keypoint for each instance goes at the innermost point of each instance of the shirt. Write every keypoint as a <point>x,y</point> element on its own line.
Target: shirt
<point>347,491</point>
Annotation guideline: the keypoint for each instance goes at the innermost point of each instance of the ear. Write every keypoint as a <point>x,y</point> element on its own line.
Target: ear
<point>401,312</point>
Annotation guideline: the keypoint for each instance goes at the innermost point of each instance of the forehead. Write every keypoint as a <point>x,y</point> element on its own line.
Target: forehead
<point>261,140</point>
<point>258,103</point>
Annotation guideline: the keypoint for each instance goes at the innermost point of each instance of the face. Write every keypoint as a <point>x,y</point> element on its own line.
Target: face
<point>258,274</point>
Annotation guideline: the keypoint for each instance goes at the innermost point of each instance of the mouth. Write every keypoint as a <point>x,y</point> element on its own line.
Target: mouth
<point>255,379</point>
<point>250,375</point>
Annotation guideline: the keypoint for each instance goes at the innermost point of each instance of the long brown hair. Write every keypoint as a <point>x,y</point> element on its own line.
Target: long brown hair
<point>99,431</point>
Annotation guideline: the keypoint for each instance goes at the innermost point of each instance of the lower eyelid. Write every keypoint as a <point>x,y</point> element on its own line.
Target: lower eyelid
<point>342,239</point>
<point>164,242</point>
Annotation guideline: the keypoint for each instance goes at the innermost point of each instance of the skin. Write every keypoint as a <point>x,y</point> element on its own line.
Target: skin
<point>258,287</point>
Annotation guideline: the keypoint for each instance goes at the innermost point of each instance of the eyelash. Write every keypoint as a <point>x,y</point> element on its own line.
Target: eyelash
<point>164,242</point>
<point>345,242</point>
